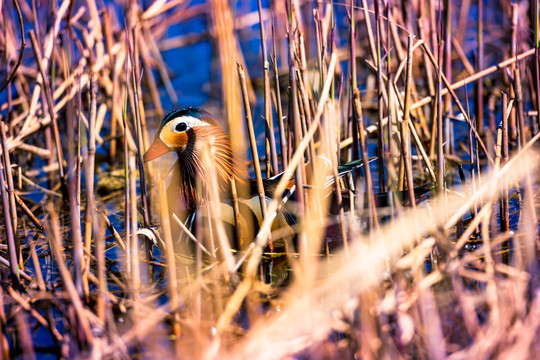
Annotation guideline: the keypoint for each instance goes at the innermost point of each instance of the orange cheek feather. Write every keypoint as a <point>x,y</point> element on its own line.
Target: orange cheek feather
<point>174,139</point>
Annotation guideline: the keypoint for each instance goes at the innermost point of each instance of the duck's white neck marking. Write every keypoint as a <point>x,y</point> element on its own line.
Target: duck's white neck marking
<point>189,122</point>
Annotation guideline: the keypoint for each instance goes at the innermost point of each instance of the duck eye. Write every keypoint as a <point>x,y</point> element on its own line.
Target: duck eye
<point>181,127</point>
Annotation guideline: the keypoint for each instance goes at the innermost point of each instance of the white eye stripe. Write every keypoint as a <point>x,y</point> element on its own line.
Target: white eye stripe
<point>190,122</point>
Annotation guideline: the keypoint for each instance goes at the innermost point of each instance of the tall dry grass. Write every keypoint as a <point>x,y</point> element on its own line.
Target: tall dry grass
<point>373,267</point>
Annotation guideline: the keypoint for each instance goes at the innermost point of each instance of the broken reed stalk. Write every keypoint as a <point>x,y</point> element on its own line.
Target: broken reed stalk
<point>405,139</point>
<point>252,141</point>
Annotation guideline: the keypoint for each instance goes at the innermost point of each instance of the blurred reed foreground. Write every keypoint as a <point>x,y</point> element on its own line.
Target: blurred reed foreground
<point>430,252</point>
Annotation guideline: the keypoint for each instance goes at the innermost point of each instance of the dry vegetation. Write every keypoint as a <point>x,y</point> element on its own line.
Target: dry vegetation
<point>388,273</point>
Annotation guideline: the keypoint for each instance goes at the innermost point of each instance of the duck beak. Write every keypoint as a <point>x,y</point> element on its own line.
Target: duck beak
<point>157,149</point>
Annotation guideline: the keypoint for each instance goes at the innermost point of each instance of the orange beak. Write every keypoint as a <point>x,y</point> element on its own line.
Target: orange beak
<point>157,149</point>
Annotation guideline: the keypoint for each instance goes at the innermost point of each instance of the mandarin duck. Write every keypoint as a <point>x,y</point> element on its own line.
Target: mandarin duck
<point>187,132</point>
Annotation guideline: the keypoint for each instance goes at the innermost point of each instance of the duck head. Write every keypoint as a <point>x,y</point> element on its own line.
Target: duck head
<point>188,132</point>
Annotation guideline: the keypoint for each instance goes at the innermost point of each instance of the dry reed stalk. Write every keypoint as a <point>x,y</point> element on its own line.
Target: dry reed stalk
<point>536,24</point>
<point>190,234</point>
<point>11,193</point>
<point>226,44</point>
<point>355,115</point>
<point>162,67</point>
<point>423,25</point>
<point>305,110</point>
<point>21,50</point>
<point>381,146</point>
<point>113,231</point>
<point>405,141</point>
<point>505,217</point>
<point>295,322</point>
<point>328,128</point>
<point>441,184</point>
<point>214,205</point>
<point>252,140</point>
<point>127,192</point>
<point>4,345</point>
<point>458,103</point>
<point>10,189</point>
<point>47,89</point>
<point>271,155</point>
<point>26,345</point>
<point>13,250</point>
<point>135,275</point>
<point>513,12</point>
<point>447,59</point>
<point>370,192</point>
<point>517,89</point>
<point>171,265</point>
<point>463,57</point>
<point>151,81</point>
<point>390,153</point>
<point>369,29</point>
<point>296,127</point>
<point>37,266</point>
<point>279,108</point>
<point>102,301</point>
<point>89,177</point>
<point>475,77</point>
<point>479,88</point>
<point>141,136</point>
<point>416,138</point>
